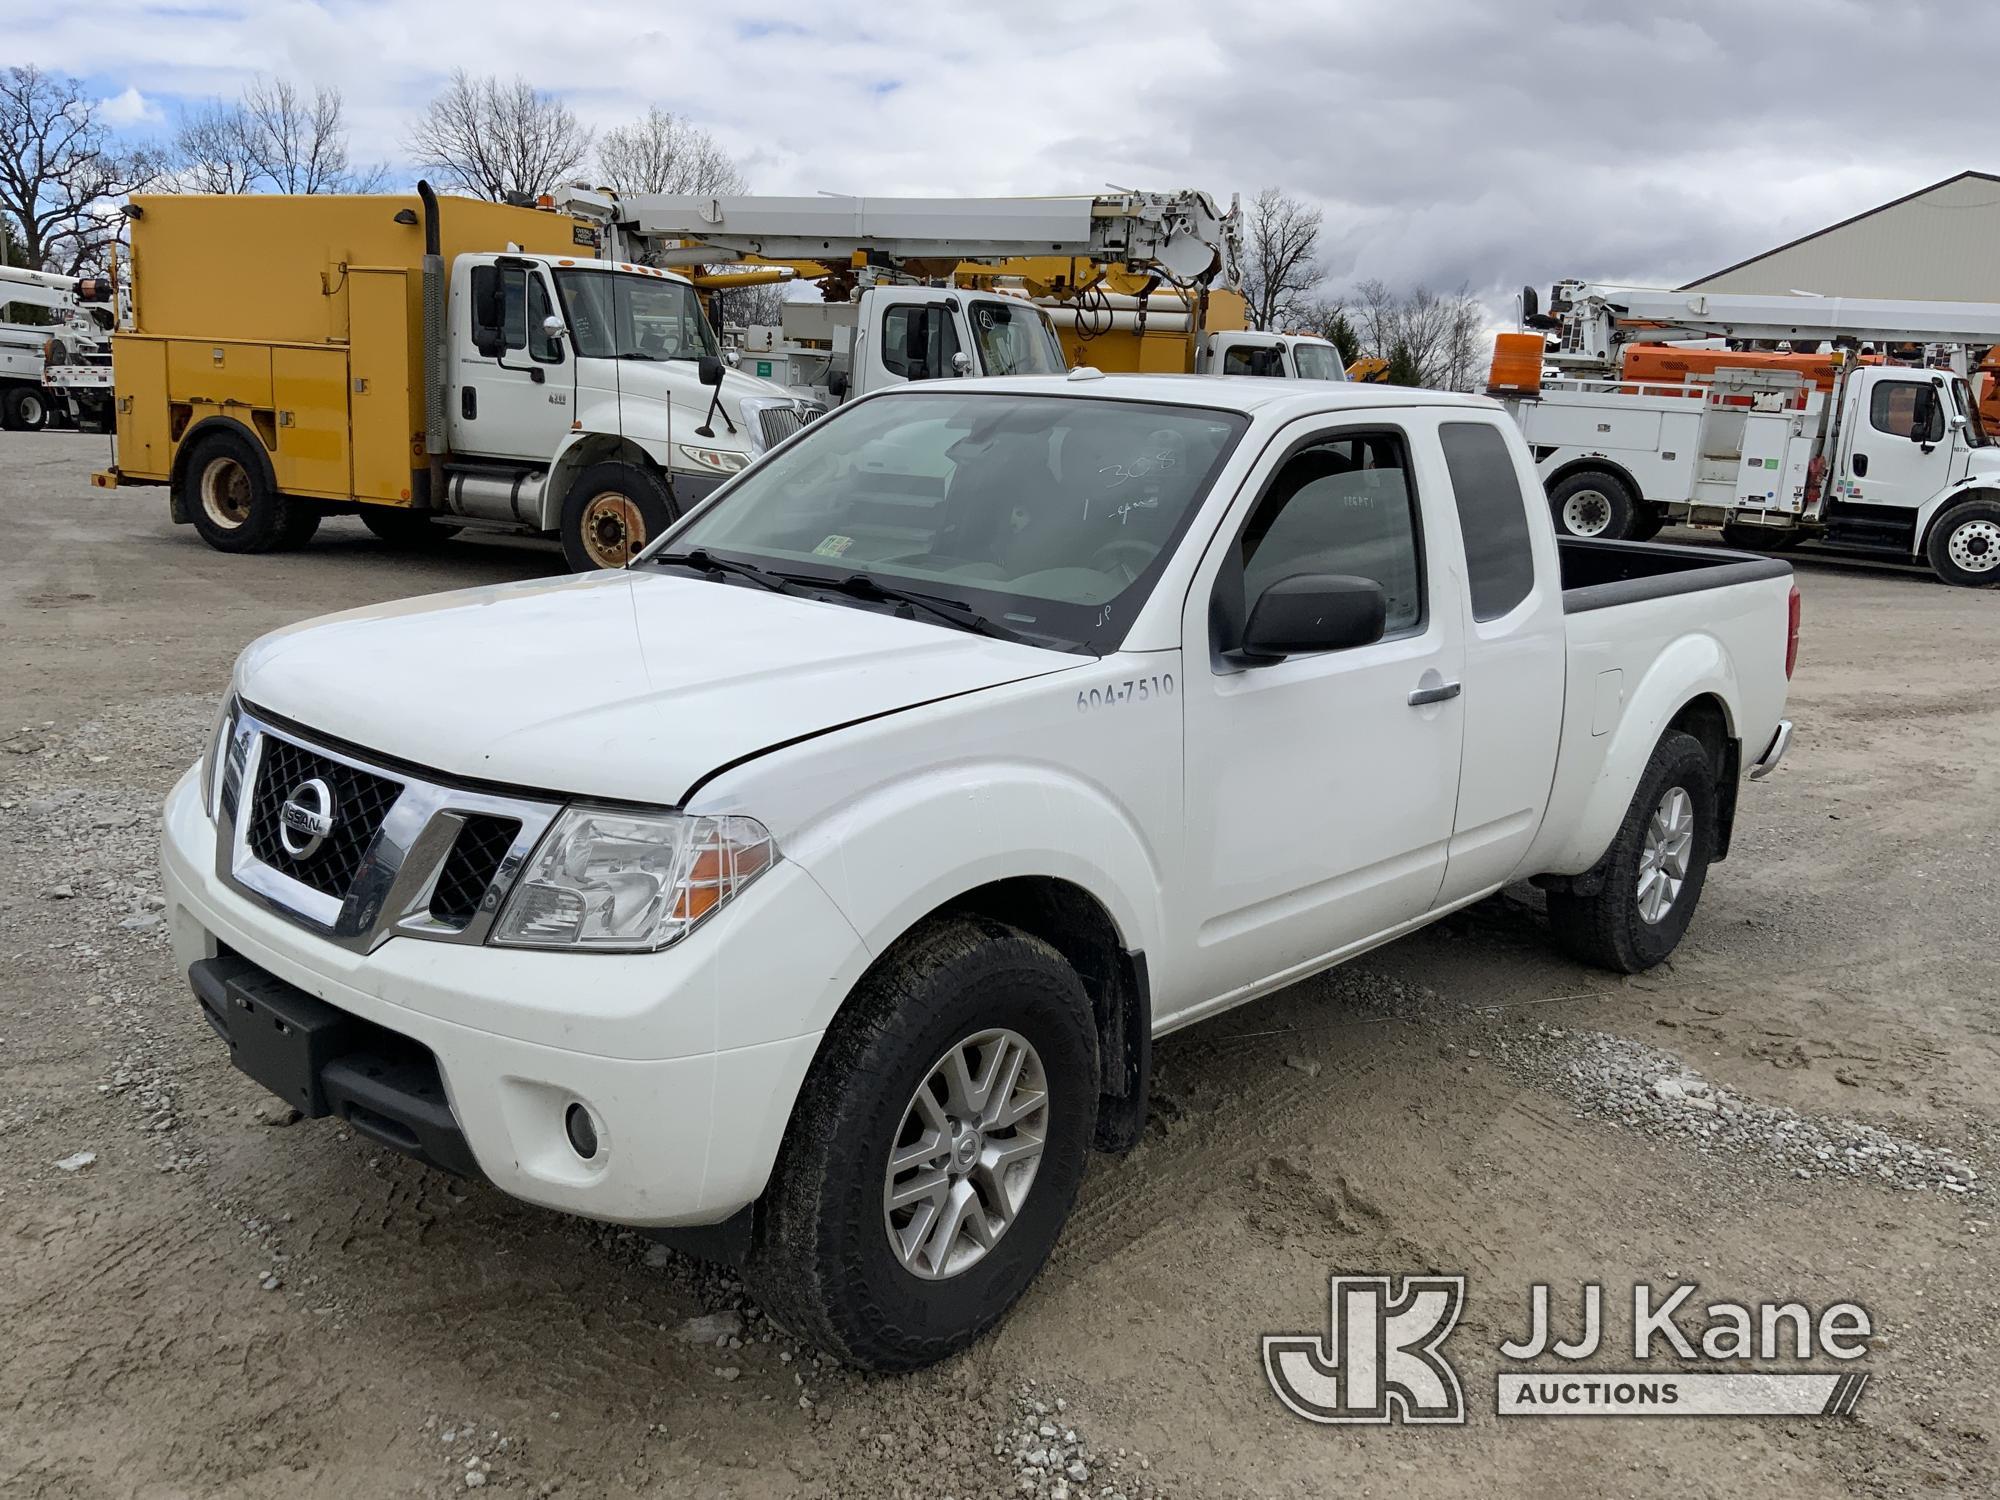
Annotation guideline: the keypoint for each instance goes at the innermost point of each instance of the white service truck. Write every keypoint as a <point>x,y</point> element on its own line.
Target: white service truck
<point>1030,720</point>
<point>58,370</point>
<point>1893,461</point>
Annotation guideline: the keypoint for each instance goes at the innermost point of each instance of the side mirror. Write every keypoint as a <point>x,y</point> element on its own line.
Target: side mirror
<point>837,384</point>
<point>961,363</point>
<point>710,369</point>
<point>554,327</point>
<point>1923,412</point>
<point>1314,612</point>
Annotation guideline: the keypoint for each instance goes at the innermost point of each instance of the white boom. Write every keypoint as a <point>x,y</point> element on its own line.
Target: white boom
<point>1181,234</point>
<point>1596,318</point>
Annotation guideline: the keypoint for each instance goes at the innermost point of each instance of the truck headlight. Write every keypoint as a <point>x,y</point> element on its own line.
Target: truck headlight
<point>627,882</point>
<point>720,460</point>
<point>215,760</point>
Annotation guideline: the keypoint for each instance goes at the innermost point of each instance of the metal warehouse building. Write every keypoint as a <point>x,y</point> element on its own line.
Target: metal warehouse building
<point>1940,243</point>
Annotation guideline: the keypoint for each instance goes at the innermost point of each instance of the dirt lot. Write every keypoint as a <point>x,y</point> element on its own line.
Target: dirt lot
<point>216,1306</point>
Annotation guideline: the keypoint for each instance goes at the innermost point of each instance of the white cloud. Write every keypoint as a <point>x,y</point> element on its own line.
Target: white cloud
<point>129,109</point>
<point>1449,140</point>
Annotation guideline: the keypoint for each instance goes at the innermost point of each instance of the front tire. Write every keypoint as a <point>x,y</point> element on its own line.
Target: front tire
<point>1655,869</point>
<point>23,408</point>
<point>1964,547</point>
<point>1593,505</point>
<point>911,1207</point>
<point>611,512</point>
<point>233,503</point>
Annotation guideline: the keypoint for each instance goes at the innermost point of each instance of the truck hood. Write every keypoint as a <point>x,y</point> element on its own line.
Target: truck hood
<point>629,686</point>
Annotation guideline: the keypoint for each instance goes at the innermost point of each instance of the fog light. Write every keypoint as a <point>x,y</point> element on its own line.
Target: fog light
<point>582,1131</point>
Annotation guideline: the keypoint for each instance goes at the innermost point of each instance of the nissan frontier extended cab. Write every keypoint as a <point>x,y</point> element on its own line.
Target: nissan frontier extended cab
<point>814,889</point>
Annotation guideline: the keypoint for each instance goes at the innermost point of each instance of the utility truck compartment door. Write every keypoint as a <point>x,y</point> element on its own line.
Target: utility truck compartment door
<point>219,374</point>
<point>309,389</point>
<point>139,374</point>
<point>1595,428</point>
<point>385,385</point>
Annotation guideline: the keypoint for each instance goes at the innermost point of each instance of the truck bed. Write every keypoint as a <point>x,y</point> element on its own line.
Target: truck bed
<point>1598,574</point>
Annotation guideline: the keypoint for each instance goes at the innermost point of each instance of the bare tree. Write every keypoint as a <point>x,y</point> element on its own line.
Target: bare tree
<point>60,177</point>
<point>1435,337</point>
<point>212,151</point>
<point>1281,264</point>
<point>662,154</point>
<point>491,138</point>
<point>300,144</point>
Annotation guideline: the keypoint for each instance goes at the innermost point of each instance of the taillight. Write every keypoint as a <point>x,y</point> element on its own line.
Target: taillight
<point>1792,633</point>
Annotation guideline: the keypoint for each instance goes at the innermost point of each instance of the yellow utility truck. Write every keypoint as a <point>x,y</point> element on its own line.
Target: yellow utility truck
<point>429,363</point>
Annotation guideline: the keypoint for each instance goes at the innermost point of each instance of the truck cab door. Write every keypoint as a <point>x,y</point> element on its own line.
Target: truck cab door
<point>911,333</point>
<point>513,387</point>
<point>1898,455</point>
<point>1319,789</point>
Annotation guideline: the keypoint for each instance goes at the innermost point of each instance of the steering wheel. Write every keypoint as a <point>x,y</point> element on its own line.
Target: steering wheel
<point>1128,555</point>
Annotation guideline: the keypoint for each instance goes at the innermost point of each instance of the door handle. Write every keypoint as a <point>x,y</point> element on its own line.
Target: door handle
<point>1860,466</point>
<point>1439,692</point>
<point>468,403</point>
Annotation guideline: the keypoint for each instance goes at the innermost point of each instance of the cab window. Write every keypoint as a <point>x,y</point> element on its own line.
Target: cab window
<point>918,340</point>
<point>1254,359</point>
<point>1492,516</point>
<point>1892,408</point>
<point>1344,505</point>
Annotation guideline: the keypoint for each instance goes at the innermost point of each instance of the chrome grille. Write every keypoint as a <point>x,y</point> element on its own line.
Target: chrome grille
<point>776,423</point>
<point>470,867</point>
<point>361,800</point>
<point>407,856</point>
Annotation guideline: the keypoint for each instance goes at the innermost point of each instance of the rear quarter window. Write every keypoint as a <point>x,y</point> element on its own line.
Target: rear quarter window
<point>1492,516</point>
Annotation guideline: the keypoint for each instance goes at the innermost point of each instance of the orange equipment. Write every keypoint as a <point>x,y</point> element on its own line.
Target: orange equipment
<point>1517,364</point>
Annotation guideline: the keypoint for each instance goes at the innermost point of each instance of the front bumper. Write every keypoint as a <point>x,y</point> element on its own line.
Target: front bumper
<point>688,1060</point>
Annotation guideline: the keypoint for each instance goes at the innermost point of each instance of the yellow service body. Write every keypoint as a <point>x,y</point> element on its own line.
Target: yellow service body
<point>302,318</point>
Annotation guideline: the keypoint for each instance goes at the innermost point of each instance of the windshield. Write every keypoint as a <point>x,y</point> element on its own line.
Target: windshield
<point>1318,362</point>
<point>1049,515</point>
<point>1015,339</point>
<point>619,315</point>
<point>1975,429</point>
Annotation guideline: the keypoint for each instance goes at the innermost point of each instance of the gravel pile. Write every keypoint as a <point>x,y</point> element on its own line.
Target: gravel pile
<point>1053,1461</point>
<point>1642,1088</point>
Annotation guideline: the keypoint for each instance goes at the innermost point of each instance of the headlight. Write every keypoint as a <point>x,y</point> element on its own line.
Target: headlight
<point>629,882</point>
<point>721,460</point>
<point>216,758</point>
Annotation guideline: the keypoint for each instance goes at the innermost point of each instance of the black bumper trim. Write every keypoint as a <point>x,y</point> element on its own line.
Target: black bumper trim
<point>323,1060</point>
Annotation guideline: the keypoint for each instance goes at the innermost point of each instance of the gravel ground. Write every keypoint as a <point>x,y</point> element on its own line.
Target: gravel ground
<point>205,1296</point>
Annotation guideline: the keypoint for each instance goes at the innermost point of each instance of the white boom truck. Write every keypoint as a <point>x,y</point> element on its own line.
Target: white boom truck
<point>1893,461</point>
<point>58,370</point>
<point>900,324</point>
<point>1031,719</point>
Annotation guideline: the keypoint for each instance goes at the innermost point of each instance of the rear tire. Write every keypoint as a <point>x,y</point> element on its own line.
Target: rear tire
<point>841,1257</point>
<point>233,503</point>
<point>1964,547</point>
<point>23,408</point>
<point>415,529</point>
<point>1594,505</point>
<point>1647,522</point>
<point>611,512</point>
<point>1653,872</point>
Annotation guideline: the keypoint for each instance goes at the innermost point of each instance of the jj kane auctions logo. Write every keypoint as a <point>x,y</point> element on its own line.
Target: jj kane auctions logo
<point>1382,1359</point>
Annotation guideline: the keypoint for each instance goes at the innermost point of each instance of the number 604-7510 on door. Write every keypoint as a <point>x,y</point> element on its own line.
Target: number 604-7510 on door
<point>1131,690</point>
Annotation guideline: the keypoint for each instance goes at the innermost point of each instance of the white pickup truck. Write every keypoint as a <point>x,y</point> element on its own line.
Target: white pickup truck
<point>815,888</point>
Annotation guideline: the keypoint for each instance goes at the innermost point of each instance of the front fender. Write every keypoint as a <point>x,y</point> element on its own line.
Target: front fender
<point>1920,535</point>
<point>1585,808</point>
<point>909,847</point>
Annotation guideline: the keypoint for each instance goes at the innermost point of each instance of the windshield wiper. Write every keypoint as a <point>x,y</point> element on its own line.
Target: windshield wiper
<point>946,611</point>
<point>704,561</point>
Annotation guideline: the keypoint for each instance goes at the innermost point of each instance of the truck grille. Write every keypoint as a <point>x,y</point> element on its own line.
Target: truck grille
<point>777,423</point>
<point>361,800</point>
<point>470,867</point>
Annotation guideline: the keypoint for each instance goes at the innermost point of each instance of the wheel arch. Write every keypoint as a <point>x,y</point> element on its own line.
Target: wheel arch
<point>1931,515</point>
<point>581,452</point>
<point>177,472</point>
<point>1594,464</point>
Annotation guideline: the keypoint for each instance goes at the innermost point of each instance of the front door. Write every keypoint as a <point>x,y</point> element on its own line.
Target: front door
<point>514,391</point>
<point>1889,461</point>
<point>1318,796</point>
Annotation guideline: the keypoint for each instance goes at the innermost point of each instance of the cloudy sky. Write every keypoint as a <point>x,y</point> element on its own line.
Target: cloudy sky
<point>1486,142</point>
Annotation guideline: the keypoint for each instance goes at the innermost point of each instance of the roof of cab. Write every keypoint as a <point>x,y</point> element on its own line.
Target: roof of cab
<point>1243,393</point>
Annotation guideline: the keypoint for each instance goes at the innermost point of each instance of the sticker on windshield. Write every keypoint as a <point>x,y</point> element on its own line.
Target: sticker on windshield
<point>833,546</point>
